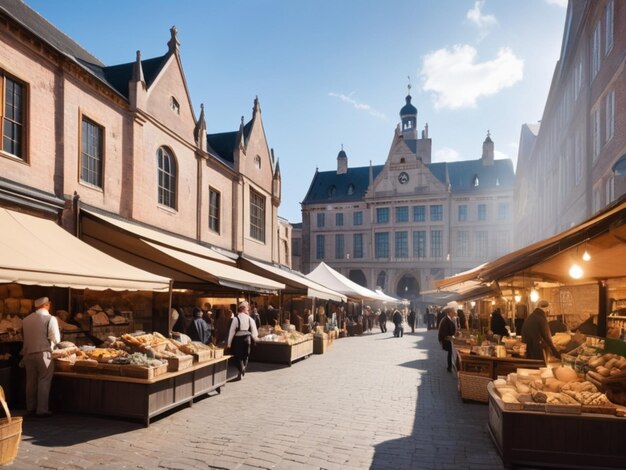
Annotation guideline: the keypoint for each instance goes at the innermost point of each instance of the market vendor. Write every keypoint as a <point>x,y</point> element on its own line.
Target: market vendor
<point>242,332</point>
<point>447,330</point>
<point>536,333</point>
<point>41,334</point>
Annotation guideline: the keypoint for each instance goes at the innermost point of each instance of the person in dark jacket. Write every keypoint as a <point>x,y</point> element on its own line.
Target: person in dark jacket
<point>398,331</point>
<point>382,321</point>
<point>536,333</point>
<point>498,325</point>
<point>462,320</point>
<point>412,320</point>
<point>199,330</point>
<point>447,330</point>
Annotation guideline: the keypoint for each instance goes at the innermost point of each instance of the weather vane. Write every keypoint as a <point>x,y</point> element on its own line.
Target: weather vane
<point>409,77</point>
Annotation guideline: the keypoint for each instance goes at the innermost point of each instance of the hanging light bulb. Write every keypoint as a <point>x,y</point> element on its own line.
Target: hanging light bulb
<point>518,298</point>
<point>576,272</point>
<point>493,302</point>
<point>473,304</point>
<point>534,295</point>
<point>586,255</point>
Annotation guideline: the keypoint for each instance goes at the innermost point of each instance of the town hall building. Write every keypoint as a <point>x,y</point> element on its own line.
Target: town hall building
<point>408,222</point>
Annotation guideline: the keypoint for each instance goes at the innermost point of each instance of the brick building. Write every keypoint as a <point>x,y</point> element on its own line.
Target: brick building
<point>125,140</point>
<point>573,164</point>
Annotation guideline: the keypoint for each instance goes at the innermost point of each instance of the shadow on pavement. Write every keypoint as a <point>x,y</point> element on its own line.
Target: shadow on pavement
<point>63,430</point>
<point>447,433</point>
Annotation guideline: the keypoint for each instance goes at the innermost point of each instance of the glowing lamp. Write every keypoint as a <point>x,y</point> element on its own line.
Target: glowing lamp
<point>575,272</point>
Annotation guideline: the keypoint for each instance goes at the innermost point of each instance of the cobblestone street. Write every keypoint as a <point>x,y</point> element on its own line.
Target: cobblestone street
<point>373,401</point>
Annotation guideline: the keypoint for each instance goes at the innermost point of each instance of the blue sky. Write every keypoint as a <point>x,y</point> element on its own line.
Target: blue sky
<point>333,72</point>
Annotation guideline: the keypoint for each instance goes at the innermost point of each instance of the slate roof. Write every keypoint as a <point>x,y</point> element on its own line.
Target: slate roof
<point>223,145</point>
<point>45,30</point>
<point>324,180</point>
<point>116,76</point>
<point>459,174</point>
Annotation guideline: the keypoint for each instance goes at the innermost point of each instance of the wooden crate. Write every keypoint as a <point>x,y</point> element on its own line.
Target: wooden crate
<point>218,353</point>
<point>175,364</point>
<point>474,387</point>
<point>139,372</point>
<point>203,355</point>
<point>320,345</point>
<point>63,366</point>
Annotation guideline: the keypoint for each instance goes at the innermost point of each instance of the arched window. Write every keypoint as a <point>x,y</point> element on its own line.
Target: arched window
<point>356,275</point>
<point>476,183</point>
<point>382,278</point>
<point>351,189</point>
<point>332,191</point>
<point>257,162</point>
<point>166,177</point>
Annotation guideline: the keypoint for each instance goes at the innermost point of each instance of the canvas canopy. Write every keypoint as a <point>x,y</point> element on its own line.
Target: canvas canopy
<point>293,280</point>
<point>36,251</point>
<point>188,263</point>
<point>328,277</point>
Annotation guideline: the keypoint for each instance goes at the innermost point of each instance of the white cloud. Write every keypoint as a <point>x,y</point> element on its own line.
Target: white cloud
<point>446,154</point>
<point>560,3</point>
<point>360,106</point>
<point>475,15</point>
<point>457,80</point>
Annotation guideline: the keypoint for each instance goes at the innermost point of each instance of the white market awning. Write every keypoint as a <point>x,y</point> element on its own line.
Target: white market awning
<point>296,280</point>
<point>36,251</point>
<point>328,277</point>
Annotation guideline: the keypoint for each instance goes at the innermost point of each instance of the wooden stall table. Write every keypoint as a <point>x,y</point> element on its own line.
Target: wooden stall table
<point>476,372</point>
<point>539,439</point>
<point>281,352</point>
<point>141,399</point>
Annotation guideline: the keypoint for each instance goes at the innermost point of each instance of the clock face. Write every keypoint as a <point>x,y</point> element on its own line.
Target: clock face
<point>403,177</point>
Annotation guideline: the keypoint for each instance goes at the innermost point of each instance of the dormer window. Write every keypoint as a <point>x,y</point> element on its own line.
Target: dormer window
<point>476,183</point>
<point>351,189</point>
<point>257,162</point>
<point>174,105</point>
<point>332,191</point>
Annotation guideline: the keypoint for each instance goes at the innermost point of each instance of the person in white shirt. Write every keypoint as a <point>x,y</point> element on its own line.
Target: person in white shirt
<point>41,334</point>
<point>242,331</point>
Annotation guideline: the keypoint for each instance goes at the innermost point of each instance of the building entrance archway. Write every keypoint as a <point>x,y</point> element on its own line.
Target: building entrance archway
<point>408,287</point>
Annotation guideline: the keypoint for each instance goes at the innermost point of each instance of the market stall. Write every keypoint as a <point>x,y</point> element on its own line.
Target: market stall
<point>327,276</point>
<point>281,346</point>
<point>38,258</point>
<point>575,418</point>
<point>136,398</point>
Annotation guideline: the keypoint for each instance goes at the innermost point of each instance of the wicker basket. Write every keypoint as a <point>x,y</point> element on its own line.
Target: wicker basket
<point>474,387</point>
<point>10,434</point>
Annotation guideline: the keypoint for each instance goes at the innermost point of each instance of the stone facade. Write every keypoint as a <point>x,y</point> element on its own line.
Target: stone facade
<point>574,164</point>
<point>221,189</point>
<point>402,225</point>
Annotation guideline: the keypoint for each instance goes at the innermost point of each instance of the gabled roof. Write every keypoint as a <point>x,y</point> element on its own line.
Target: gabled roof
<point>328,186</point>
<point>323,181</point>
<point>223,145</point>
<point>118,76</point>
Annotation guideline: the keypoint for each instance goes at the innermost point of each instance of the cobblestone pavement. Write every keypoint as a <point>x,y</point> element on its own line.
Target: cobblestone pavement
<point>372,401</point>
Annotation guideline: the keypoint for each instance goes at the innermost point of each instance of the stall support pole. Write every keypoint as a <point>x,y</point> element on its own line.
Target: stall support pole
<point>603,307</point>
<point>169,309</point>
